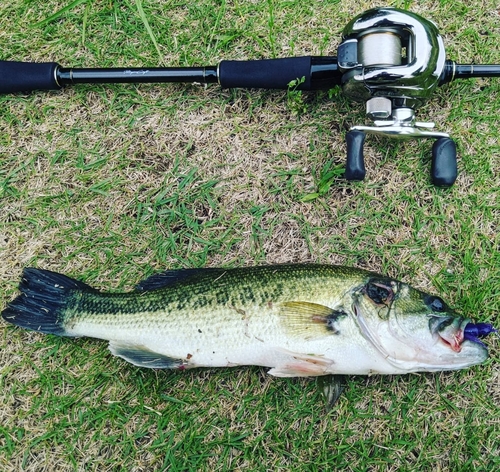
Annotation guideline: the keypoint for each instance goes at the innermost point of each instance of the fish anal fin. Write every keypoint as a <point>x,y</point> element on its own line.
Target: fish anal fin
<point>331,387</point>
<point>302,365</point>
<point>309,320</point>
<point>143,357</point>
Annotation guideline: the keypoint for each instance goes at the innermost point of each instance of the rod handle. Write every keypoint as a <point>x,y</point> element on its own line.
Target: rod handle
<point>27,76</point>
<point>265,73</point>
<point>355,164</point>
<point>444,162</point>
<point>317,72</point>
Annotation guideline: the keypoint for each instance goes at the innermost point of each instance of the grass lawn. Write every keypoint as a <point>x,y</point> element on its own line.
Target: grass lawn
<point>110,184</point>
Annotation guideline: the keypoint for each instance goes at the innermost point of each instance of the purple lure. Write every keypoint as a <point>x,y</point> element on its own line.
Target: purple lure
<point>473,332</point>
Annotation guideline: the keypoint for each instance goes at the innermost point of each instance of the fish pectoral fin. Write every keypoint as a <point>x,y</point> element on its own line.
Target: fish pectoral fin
<point>302,365</point>
<point>141,356</point>
<point>309,320</point>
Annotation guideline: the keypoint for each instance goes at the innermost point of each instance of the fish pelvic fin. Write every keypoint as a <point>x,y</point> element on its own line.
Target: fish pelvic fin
<point>302,365</point>
<point>42,302</point>
<point>310,320</point>
<point>141,356</point>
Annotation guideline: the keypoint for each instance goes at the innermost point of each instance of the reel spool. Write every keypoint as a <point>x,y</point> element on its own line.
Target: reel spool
<point>393,60</point>
<point>380,49</point>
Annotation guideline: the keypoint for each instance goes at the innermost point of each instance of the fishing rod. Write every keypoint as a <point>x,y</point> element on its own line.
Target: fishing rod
<point>391,59</point>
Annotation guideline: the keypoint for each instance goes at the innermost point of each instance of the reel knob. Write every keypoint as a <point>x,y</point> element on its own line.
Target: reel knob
<point>355,164</point>
<point>444,162</point>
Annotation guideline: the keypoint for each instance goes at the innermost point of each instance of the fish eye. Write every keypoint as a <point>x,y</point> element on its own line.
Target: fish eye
<point>379,292</point>
<point>436,304</point>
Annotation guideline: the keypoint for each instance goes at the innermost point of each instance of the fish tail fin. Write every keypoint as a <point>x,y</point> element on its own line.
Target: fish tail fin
<point>42,301</point>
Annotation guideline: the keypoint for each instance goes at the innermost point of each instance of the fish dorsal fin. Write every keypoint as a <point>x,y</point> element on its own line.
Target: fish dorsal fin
<point>171,277</point>
<point>309,320</point>
<point>142,356</point>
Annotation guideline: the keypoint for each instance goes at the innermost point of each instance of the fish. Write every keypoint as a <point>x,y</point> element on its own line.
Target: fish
<point>298,320</point>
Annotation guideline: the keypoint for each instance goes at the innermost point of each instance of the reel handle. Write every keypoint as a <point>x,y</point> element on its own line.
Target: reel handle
<point>443,164</point>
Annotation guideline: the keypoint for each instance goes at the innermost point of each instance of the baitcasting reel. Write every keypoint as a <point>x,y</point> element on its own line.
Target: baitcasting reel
<point>389,58</point>
<point>393,60</point>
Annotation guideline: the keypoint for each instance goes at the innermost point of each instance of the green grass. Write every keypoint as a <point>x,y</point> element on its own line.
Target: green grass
<point>112,183</point>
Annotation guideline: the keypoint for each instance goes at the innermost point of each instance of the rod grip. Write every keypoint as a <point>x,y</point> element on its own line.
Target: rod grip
<point>265,73</point>
<point>27,76</point>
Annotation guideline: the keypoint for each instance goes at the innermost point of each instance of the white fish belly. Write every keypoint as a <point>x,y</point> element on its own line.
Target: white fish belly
<point>228,339</point>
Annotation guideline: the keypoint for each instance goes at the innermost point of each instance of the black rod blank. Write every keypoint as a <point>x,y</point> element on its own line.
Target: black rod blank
<point>453,71</point>
<point>204,75</point>
<point>466,71</point>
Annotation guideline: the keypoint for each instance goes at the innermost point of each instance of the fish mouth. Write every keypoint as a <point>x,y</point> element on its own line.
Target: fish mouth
<point>451,331</point>
<point>454,336</point>
<point>454,331</point>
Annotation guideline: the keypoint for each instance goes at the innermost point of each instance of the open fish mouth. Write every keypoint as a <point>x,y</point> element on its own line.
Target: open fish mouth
<point>453,332</point>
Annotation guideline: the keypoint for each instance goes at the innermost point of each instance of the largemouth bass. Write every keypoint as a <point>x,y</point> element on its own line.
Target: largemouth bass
<point>298,320</point>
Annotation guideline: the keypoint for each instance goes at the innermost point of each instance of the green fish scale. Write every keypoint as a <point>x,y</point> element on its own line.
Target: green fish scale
<point>204,294</point>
